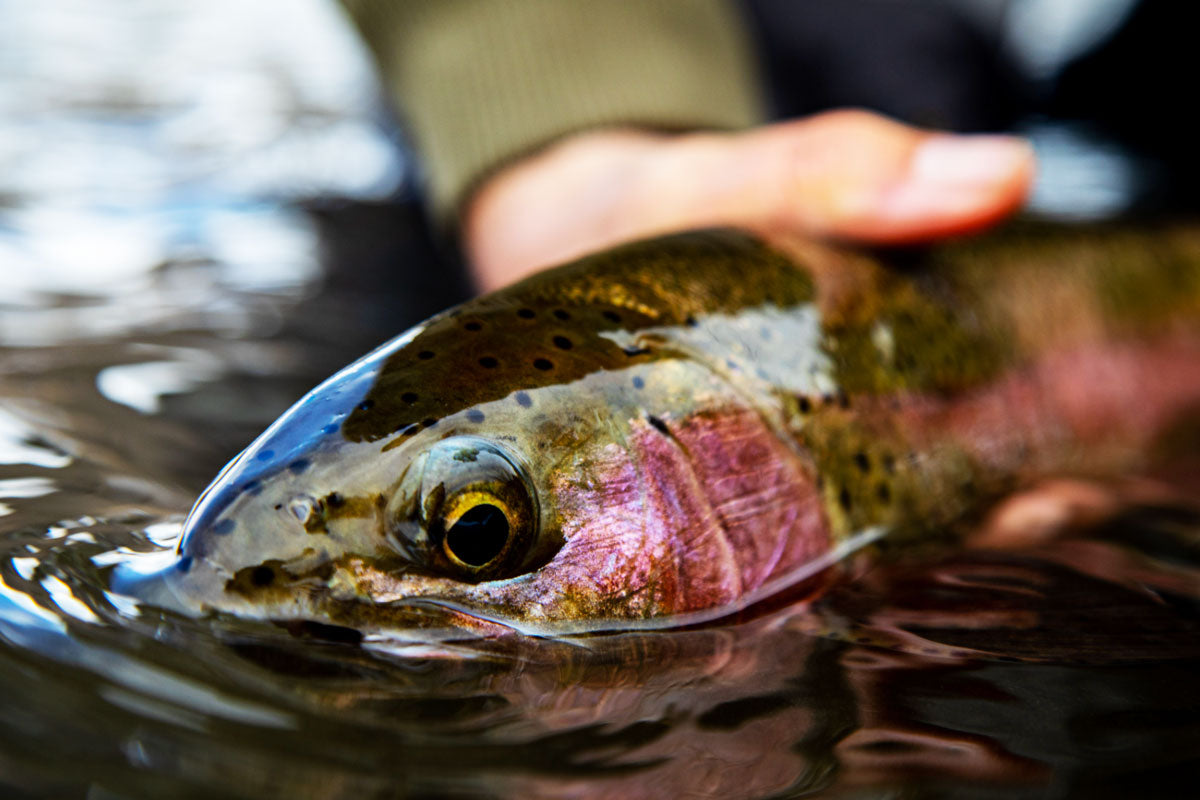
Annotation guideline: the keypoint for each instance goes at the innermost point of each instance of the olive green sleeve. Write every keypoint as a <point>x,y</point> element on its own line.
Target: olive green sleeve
<point>483,82</point>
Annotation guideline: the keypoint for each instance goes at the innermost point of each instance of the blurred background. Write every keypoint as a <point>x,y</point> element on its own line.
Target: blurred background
<point>230,167</point>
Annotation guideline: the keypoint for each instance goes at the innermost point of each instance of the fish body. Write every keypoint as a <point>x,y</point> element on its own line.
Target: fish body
<point>675,429</point>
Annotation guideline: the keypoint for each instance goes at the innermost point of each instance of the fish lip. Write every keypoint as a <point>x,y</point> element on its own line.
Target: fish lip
<point>411,620</point>
<point>159,589</point>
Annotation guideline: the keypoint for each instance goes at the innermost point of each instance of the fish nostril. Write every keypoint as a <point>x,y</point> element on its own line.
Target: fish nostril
<point>302,508</point>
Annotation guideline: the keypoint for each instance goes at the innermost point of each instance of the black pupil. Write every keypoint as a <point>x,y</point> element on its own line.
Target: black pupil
<point>479,535</point>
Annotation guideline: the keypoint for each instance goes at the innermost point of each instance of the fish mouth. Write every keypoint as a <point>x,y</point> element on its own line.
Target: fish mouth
<point>316,612</point>
<point>415,622</point>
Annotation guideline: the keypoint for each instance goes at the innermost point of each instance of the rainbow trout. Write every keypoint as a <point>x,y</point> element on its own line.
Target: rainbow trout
<point>670,431</point>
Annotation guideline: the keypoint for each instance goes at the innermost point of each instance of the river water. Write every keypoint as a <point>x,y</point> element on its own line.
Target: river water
<point>170,285</point>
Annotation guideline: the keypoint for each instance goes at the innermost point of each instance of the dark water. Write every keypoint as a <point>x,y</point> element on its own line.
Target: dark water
<point>164,297</point>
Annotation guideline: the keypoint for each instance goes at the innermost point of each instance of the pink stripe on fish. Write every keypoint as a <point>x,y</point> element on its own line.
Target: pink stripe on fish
<point>1112,400</point>
<point>691,519</point>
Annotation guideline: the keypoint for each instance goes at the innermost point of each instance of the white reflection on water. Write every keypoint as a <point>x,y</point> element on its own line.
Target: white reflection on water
<point>271,97</point>
<point>20,443</point>
<point>142,386</point>
<point>26,487</point>
<point>66,600</point>
<point>141,133</point>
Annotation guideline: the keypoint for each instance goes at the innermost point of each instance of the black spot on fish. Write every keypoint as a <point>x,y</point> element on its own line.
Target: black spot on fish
<point>279,506</point>
<point>862,462</point>
<point>827,399</point>
<point>543,364</point>
<point>299,465</point>
<point>487,362</point>
<point>526,313</point>
<point>266,455</point>
<point>425,355</point>
<point>612,316</point>
<point>562,315</point>
<point>475,415</point>
<point>562,343</point>
<point>252,487</point>
<point>843,399</point>
<point>184,563</point>
<point>690,321</point>
<point>409,397</point>
<point>638,383</point>
<point>224,526</point>
<point>473,326</point>
<point>844,499</point>
<point>366,405</point>
<point>658,424</point>
<point>334,500</point>
<point>621,282</point>
<point>262,576</point>
<point>523,400</point>
<point>428,422</point>
<point>884,493</point>
<point>410,429</point>
<point>805,405</point>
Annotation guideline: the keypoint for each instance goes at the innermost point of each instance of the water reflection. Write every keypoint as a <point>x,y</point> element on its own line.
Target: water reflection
<point>1044,692</point>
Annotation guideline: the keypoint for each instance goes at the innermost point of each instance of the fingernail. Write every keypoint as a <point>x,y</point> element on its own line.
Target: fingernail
<point>952,176</point>
<point>958,160</point>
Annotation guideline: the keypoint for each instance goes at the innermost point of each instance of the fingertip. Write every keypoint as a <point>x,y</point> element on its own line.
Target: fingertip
<point>948,160</point>
<point>953,184</point>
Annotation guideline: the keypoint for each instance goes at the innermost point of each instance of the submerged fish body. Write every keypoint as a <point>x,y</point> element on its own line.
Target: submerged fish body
<point>674,429</point>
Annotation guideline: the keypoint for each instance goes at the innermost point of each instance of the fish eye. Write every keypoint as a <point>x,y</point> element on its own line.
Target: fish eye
<point>470,514</point>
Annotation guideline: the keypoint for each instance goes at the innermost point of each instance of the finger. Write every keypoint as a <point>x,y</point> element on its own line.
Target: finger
<point>847,174</point>
<point>858,176</point>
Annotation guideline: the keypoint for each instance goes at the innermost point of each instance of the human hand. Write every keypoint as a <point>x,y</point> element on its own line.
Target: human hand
<point>848,175</point>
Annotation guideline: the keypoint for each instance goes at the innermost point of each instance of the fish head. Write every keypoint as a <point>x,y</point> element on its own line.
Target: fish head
<point>366,500</point>
<point>536,459</point>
